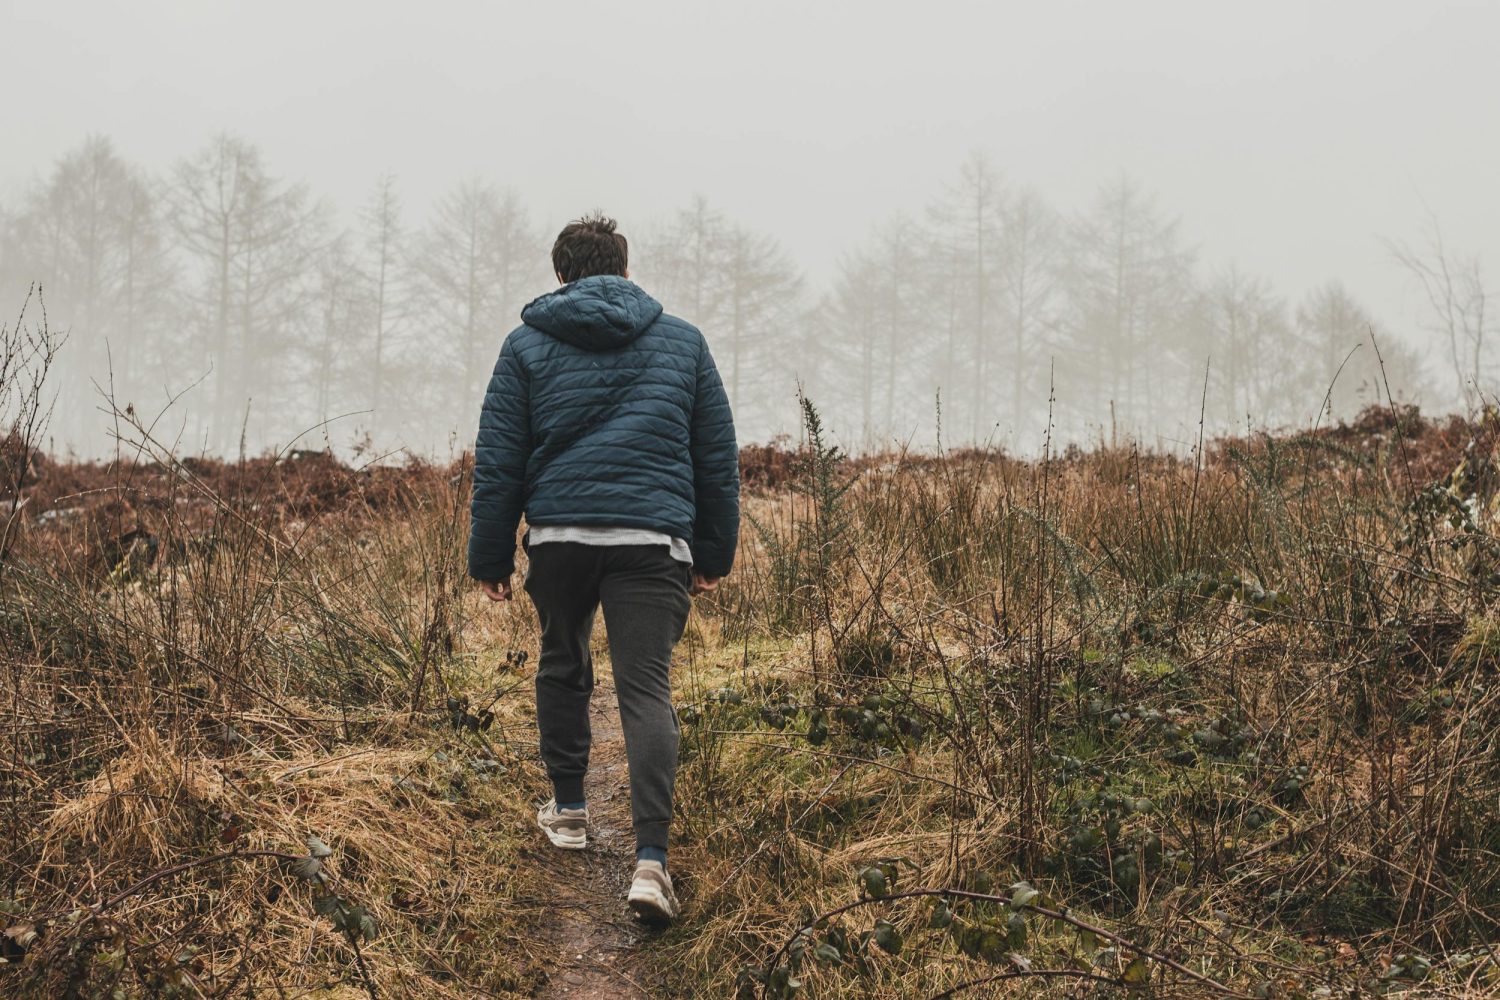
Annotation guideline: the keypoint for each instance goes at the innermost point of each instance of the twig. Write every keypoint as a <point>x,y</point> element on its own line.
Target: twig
<point>155,877</point>
<point>364,970</point>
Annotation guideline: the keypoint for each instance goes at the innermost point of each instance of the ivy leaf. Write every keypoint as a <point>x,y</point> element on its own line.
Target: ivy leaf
<point>356,922</point>
<point>1015,930</point>
<point>1136,973</point>
<point>799,944</point>
<point>992,946</point>
<point>782,983</point>
<point>817,728</point>
<point>1022,894</point>
<point>967,937</point>
<point>849,948</point>
<point>317,849</point>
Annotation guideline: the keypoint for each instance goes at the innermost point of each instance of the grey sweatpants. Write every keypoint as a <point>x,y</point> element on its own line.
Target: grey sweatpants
<point>644,592</point>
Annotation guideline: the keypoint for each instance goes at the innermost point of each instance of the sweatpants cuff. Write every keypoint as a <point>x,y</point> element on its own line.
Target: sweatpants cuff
<point>568,789</point>
<point>651,835</point>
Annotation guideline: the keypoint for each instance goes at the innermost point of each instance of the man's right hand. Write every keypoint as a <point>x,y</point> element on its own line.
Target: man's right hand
<point>703,584</point>
<point>496,590</point>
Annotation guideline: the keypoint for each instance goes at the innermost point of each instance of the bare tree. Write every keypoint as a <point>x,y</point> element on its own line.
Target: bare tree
<point>762,298</point>
<point>1030,271</point>
<point>1129,292</point>
<point>346,304</point>
<point>1250,339</point>
<point>90,233</point>
<point>381,220</point>
<point>145,306</point>
<point>1336,331</point>
<point>871,327</point>
<point>682,262</point>
<point>896,245</point>
<point>477,262</point>
<point>252,239</point>
<point>10,255</point>
<point>968,224</point>
<point>1457,297</point>
<point>744,292</point>
<point>851,314</point>
<point>1333,327</point>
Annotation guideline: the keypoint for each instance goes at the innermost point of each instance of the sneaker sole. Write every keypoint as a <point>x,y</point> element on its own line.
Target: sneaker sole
<point>568,842</point>
<point>651,905</point>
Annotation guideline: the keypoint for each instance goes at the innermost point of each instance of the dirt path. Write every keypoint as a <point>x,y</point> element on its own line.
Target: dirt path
<point>590,931</point>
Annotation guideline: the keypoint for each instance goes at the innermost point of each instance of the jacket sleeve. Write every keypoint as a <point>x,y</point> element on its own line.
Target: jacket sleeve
<point>500,457</point>
<point>716,473</point>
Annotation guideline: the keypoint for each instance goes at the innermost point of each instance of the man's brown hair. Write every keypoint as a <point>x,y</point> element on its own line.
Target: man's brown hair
<point>589,246</point>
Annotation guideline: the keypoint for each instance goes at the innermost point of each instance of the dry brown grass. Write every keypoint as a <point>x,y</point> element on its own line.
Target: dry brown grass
<point>1040,641</point>
<point>1056,629</point>
<point>208,665</point>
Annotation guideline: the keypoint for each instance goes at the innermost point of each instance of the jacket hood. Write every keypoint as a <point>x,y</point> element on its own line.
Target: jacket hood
<point>598,313</point>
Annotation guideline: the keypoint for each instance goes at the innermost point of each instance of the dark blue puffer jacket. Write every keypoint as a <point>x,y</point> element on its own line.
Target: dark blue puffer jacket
<point>603,410</point>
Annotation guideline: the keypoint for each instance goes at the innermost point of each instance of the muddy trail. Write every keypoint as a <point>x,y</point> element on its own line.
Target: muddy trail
<point>592,940</point>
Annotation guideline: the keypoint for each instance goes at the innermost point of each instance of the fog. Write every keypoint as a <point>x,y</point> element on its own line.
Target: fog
<point>255,221</point>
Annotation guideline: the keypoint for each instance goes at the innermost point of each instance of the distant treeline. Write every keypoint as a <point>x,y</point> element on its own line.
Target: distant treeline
<point>243,288</point>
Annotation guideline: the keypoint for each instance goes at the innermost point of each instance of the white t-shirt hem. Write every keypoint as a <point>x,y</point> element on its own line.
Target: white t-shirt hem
<point>598,535</point>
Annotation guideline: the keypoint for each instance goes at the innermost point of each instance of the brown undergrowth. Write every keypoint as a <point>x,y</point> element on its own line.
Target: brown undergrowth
<point>1105,722</point>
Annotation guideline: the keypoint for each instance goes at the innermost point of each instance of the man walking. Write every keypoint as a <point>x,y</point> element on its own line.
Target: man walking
<point>607,425</point>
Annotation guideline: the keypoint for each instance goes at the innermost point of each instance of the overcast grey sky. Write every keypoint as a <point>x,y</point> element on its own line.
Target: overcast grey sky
<point>1289,136</point>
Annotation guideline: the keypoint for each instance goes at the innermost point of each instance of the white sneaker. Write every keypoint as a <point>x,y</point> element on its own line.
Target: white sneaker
<point>651,896</point>
<point>566,828</point>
